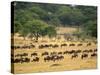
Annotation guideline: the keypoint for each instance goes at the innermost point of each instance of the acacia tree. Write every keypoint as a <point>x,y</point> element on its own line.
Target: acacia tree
<point>39,28</point>
<point>24,31</point>
<point>50,31</point>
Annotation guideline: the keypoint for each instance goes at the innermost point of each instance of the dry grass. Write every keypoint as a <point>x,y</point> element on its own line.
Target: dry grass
<point>66,64</point>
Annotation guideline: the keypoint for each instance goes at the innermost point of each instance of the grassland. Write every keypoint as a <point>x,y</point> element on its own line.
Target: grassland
<point>62,65</point>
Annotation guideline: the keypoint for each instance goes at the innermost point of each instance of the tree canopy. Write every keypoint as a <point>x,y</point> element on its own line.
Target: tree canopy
<point>40,19</point>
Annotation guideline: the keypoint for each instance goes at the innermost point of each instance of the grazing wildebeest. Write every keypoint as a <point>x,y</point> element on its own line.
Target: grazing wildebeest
<point>80,44</point>
<point>65,52</point>
<point>24,47</point>
<point>50,45</point>
<point>17,61</point>
<point>60,57</point>
<point>93,55</point>
<point>25,54</point>
<point>84,56</point>
<point>32,46</point>
<point>47,58</point>
<point>78,51</point>
<point>45,53</point>
<point>85,51</point>
<point>53,53</point>
<point>63,45</point>
<point>41,46</point>
<point>59,52</point>
<point>89,44</point>
<point>55,46</point>
<point>34,54</point>
<point>56,57</point>
<point>74,55</point>
<point>18,55</point>
<point>23,60</point>
<point>71,52</point>
<point>95,50</point>
<point>44,46</point>
<point>17,47</point>
<point>90,50</point>
<point>21,55</point>
<point>72,44</point>
<point>36,59</point>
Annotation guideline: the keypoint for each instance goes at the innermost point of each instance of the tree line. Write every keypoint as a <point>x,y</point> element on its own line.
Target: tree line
<point>40,19</point>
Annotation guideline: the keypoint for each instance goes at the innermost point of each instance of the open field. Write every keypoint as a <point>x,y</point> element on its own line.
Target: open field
<point>32,55</point>
<point>64,64</point>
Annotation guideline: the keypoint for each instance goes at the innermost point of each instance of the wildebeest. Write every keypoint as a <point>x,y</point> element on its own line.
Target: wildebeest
<point>84,56</point>
<point>56,57</point>
<point>53,53</point>
<point>93,55</point>
<point>53,58</point>
<point>55,46</point>
<point>89,44</point>
<point>34,54</point>
<point>80,44</point>
<point>45,53</point>
<point>78,51</point>
<point>65,52</point>
<point>17,61</point>
<point>90,50</point>
<point>43,46</point>
<point>17,55</point>
<point>15,47</point>
<point>59,52</point>
<point>87,51</point>
<point>63,45</point>
<point>47,58</point>
<point>23,60</point>
<point>71,52</point>
<point>74,55</point>
<point>32,46</point>
<point>95,50</point>
<point>36,59</point>
<point>72,44</point>
<point>21,55</point>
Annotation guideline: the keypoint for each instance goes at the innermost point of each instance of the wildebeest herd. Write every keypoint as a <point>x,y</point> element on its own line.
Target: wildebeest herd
<point>30,46</point>
<point>59,55</point>
<point>53,56</point>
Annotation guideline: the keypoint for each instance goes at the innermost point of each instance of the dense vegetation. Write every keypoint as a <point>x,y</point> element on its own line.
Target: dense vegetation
<point>36,19</point>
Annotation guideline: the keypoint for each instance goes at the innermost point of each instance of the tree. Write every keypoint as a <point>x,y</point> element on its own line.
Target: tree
<point>24,31</point>
<point>35,27</point>
<point>91,28</point>
<point>70,16</point>
<point>38,28</point>
<point>50,31</point>
<point>17,26</point>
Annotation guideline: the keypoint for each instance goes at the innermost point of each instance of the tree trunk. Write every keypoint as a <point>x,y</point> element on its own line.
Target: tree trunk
<point>37,37</point>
